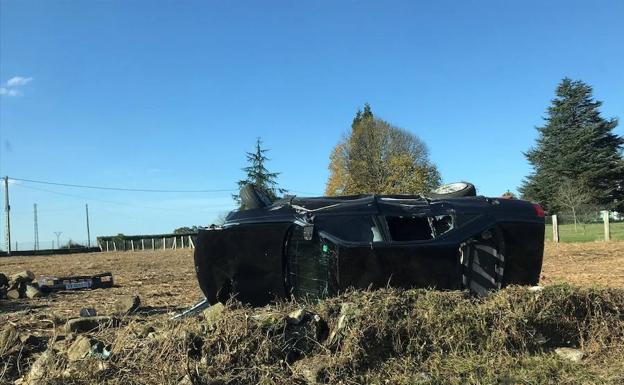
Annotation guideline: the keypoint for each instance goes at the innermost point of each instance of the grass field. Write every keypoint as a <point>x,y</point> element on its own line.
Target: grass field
<point>387,337</point>
<point>591,232</point>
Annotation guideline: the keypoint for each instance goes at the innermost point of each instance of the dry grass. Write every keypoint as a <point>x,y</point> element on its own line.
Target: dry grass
<point>587,264</point>
<point>390,336</point>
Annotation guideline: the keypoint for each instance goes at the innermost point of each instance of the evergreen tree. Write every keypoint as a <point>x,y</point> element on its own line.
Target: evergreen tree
<point>259,175</point>
<point>576,145</point>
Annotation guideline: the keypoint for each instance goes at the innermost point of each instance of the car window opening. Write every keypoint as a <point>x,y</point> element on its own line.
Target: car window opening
<point>403,229</point>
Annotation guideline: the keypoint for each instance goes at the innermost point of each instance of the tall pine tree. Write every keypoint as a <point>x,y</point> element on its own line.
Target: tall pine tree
<point>259,175</point>
<point>576,145</point>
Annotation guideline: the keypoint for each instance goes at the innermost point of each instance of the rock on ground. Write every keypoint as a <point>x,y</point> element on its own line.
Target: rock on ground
<point>214,313</point>
<point>23,276</point>
<point>127,304</point>
<point>87,324</point>
<point>32,292</point>
<point>574,355</point>
<point>79,349</point>
<point>9,338</point>
<point>41,366</point>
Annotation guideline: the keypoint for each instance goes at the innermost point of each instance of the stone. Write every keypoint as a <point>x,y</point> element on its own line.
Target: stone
<point>127,304</point>
<point>347,311</point>
<point>267,319</point>
<point>146,331</point>
<point>17,291</point>
<point>536,289</point>
<point>23,276</point>
<point>32,292</point>
<point>214,313</point>
<point>296,317</point>
<point>574,355</point>
<point>42,365</point>
<point>311,370</point>
<point>79,349</point>
<point>9,338</point>
<point>88,312</point>
<point>87,324</point>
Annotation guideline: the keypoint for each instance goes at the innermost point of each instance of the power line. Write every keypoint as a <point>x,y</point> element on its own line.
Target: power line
<point>122,188</point>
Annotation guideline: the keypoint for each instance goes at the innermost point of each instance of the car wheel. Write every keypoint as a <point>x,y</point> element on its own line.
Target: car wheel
<point>483,262</point>
<point>253,198</point>
<point>455,190</point>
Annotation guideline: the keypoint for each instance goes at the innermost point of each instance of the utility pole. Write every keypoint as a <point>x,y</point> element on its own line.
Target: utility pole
<point>7,209</point>
<point>88,231</point>
<point>36,247</point>
<point>58,241</point>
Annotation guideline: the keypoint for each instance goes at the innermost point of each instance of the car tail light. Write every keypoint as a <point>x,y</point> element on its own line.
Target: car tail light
<point>538,210</point>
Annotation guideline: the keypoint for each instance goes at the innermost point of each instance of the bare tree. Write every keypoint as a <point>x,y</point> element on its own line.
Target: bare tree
<point>573,196</point>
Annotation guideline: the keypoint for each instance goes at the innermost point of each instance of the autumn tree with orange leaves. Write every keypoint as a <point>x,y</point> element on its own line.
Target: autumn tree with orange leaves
<point>378,158</point>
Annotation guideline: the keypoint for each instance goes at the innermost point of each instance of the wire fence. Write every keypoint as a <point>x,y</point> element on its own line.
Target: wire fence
<point>588,227</point>
<point>49,245</point>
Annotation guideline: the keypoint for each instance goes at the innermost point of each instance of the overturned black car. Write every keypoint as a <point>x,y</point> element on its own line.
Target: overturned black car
<point>317,247</point>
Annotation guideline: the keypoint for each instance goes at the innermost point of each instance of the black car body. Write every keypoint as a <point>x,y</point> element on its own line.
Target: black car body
<point>317,247</point>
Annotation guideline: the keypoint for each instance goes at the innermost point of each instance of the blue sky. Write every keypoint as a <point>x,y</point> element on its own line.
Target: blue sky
<point>170,94</point>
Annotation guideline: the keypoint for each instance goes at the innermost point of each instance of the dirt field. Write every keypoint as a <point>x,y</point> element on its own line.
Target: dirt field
<point>586,264</point>
<point>165,282</point>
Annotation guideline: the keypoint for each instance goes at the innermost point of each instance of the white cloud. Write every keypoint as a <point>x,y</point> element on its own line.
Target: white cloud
<point>9,91</point>
<point>11,87</point>
<point>17,81</point>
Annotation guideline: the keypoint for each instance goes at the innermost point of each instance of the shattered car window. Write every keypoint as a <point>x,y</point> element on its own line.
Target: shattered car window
<point>418,228</point>
<point>351,228</point>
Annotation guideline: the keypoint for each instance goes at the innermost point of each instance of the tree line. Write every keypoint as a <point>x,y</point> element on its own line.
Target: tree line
<point>577,159</point>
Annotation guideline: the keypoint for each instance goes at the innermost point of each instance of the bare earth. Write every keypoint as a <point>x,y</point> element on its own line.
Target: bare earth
<point>165,280</point>
<point>585,264</point>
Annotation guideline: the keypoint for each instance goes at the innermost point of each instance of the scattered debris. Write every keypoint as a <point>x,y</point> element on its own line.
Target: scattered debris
<point>88,312</point>
<point>214,313</point>
<point>127,304</point>
<point>23,276</point>
<point>87,324</point>
<point>574,355</point>
<point>42,365</point>
<point>32,292</point>
<point>296,317</point>
<point>4,280</point>
<point>76,282</point>
<point>9,338</point>
<point>80,348</point>
<point>536,289</point>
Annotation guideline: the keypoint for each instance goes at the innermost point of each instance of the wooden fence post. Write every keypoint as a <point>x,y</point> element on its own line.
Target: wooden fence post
<point>132,244</point>
<point>106,245</point>
<point>607,231</point>
<point>182,240</point>
<point>142,244</point>
<point>114,246</point>
<point>555,229</point>
<point>152,243</point>
<point>164,243</point>
<point>191,242</point>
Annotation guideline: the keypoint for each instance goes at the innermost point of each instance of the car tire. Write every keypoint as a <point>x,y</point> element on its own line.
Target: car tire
<point>455,190</point>
<point>483,263</point>
<point>253,198</point>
